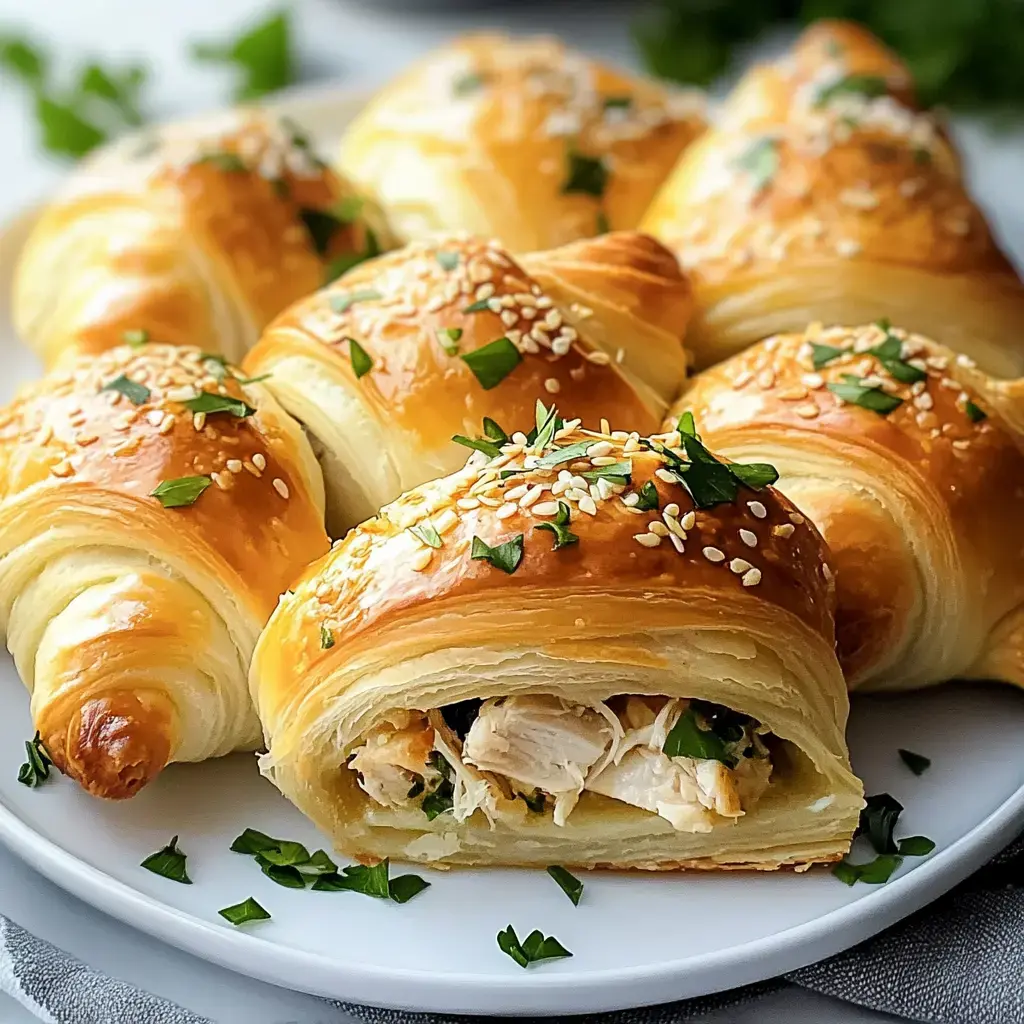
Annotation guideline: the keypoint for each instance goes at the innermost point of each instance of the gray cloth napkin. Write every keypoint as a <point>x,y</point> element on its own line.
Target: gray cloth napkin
<point>958,961</point>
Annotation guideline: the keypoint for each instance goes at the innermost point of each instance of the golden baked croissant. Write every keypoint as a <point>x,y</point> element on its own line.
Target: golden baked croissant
<point>822,197</point>
<point>389,362</point>
<point>153,506</point>
<point>199,236</point>
<point>520,139</point>
<point>895,449</point>
<point>599,649</point>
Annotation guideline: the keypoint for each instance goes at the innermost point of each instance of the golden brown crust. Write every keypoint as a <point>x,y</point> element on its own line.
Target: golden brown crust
<point>200,239</point>
<point>480,136</point>
<point>951,461</point>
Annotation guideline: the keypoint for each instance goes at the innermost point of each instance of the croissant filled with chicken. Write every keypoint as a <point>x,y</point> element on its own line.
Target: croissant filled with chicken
<point>590,648</point>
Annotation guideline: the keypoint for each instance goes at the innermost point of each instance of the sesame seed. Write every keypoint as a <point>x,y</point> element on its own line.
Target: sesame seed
<point>793,394</point>
<point>677,543</point>
<point>421,559</point>
<point>545,508</point>
<point>506,510</point>
<point>826,571</point>
<point>689,520</point>
<point>532,495</point>
<point>606,427</point>
<point>739,565</point>
<point>62,468</point>
<point>259,461</point>
<point>813,380</point>
<point>757,508</point>
<point>600,449</point>
<point>587,504</point>
<point>468,504</point>
<point>672,509</point>
<point>199,421</point>
<point>751,577</point>
<point>84,440</point>
<point>234,465</point>
<point>749,538</point>
<point>631,499</point>
<point>648,540</point>
<point>848,247</point>
<point>665,475</point>
<point>155,417</point>
<point>783,530</point>
<point>604,460</point>
<point>281,487</point>
<point>962,445</point>
<point>659,528</point>
<point>795,517</point>
<point>808,411</point>
<point>924,401</point>
<point>551,386</point>
<point>742,379</point>
<point>714,554</point>
<point>598,357</point>
<point>766,379</point>
<point>168,424</point>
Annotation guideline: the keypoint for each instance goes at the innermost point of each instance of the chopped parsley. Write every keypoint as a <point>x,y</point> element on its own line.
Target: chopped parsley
<point>468,83</point>
<point>602,225</point>
<point>439,799</point>
<point>477,307</point>
<point>560,528</point>
<point>873,872</point>
<point>322,226</point>
<point>448,260</point>
<point>868,86</point>
<point>867,396</point>
<point>180,492</point>
<point>617,102</point>
<point>426,532</point>
<point>36,770</point>
<point>135,338</point>
<point>478,444</point>
<point>230,163</point>
<point>585,175</point>
<point>493,362</point>
<point>648,497</point>
<point>136,393</point>
<point>568,883</point>
<point>211,403</point>
<point>761,161</point>
<point>262,56</point>
<point>283,861</point>
<point>974,413</point>
<point>617,472</point>
<point>917,763</point>
<point>346,261</point>
<point>687,739</point>
<point>448,338</point>
<point>533,948</point>
<point>566,454</point>
<point>326,638</point>
<point>243,913</point>
<point>372,881</point>
<point>362,364</point>
<point>342,303</point>
<point>889,354</point>
<point>505,557</point>
<point>878,821</point>
<point>535,801</point>
<point>168,863</point>
<point>822,355</point>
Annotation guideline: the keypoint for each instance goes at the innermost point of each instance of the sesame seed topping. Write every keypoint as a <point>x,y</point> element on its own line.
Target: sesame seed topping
<point>421,559</point>
<point>739,565</point>
<point>532,495</point>
<point>587,504</point>
<point>551,386</point>
<point>631,499</point>
<point>672,509</point>
<point>648,540</point>
<point>751,577</point>
<point>689,520</point>
<point>468,504</point>
<point>795,517</point>
<point>757,509</point>
<point>808,411</point>
<point>506,510</point>
<point>665,476</point>
<point>281,487</point>
<point>714,554</point>
<point>677,543</point>
<point>545,508</point>
<point>784,530</point>
<point>749,538</point>
<point>659,528</point>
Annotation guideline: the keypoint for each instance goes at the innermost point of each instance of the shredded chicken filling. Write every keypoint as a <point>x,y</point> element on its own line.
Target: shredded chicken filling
<point>692,763</point>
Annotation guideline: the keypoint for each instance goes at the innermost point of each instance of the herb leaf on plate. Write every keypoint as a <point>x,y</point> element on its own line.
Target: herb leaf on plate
<point>533,948</point>
<point>917,763</point>
<point>262,54</point>
<point>36,770</point>
<point>168,863</point>
<point>568,883</point>
<point>244,912</point>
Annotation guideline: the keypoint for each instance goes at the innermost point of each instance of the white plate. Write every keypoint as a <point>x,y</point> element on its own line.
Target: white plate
<point>636,939</point>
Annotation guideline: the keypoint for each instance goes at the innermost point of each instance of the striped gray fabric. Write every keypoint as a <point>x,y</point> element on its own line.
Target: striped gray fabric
<point>959,961</point>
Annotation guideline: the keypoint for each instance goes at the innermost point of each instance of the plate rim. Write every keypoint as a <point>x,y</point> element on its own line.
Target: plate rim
<point>536,993</point>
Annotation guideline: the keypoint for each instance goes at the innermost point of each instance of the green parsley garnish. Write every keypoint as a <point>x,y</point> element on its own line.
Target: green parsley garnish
<point>548,422</point>
<point>568,883</point>
<point>283,861</point>
<point>648,497</point>
<point>426,532</point>
<point>688,739</point>
<point>566,454</point>
<point>560,528</point>
<point>243,913</point>
<point>362,364</point>
<point>478,444</point>
<point>974,413</point>
<point>36,770</point>
<point>322,226</point>
<point>137,394</point>
<point>868,86</point>
<point>493,362</point>
<point>878,820</point>
<point>477,307</point>
<point>262,55</point>
<point>448,260</point>
<point>180,492</point>
<point>342,303</point>
<point>889,354</point>
<point>505,557</point>
<point>533,948</point>
<point>326,638</point>
<point>585,175</point>
<point>135,338</point>
<point>346,261</point>
<point>468,83</point>
<point>761,161</point>
<point>822,355</point>
<point>867,396</point>
<point>230,163</point>
<point>617,102</point>
<point>602,225</point>
<point>210,403</point>
<point>534,801</point>
<point>440,800</point>
<point>917,763</point>
<point>372,881</point>
<point>617,472</point>
<point>448,339</point>
<point>874,872</point>
<point>169,863</point>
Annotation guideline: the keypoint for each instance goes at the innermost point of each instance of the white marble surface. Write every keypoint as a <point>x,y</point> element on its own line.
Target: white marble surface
<point>353,43</point>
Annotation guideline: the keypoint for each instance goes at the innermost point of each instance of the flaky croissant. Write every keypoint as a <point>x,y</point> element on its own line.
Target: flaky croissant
<point>895,448</point>
<point>823,196</point>
<point>519,139</point>
<point>389,362</point>
<point>599,650</point>
<point>152,509</point>
<point>199,236</point>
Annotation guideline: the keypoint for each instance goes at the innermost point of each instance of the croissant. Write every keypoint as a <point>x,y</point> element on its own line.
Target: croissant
<point>519,139</point>
<point>152,508</point>
<point>384,366</point>
<point>896,449</point>
<point>198,236</point>
<point>823,196</point>
<point>586,650</point>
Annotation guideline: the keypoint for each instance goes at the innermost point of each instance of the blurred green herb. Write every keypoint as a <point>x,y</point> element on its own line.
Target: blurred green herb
<point>102,101</point>
<point>262,55</point>
<point>963,53</point>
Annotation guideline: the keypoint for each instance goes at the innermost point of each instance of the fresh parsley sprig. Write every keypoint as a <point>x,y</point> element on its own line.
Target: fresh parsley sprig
<point>261,54</point>
<point>560,528</point>
<point>169,862</point>
<point>36,769</point>
<point>534,948</point>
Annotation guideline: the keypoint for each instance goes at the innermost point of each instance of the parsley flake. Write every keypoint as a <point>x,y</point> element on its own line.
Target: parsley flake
<point>322,226</point>
<point>448,260</point>
<point>585,175</point>
<point>326,638</point>
<point>560,528</point>
<point>493,362</point>
<point>362,364</point>
<point>136,393</point>
<point>687,739</point>
<point>467,84</point>
<point>135,338</point>
<point>448,339</point>
<point>505,557</point>
<point>890,354</point>
<point>974,413</point>
<point>426,532</point>
<point>822,355</point>
<point>243,913</point>
<point>342,303</point>
<point>230,163</point>
<point>568,883</point>
<point>761,161</point>
<point>867,396</point>
<point>868,86</point>
<point>874,872</point>
<point>533,948</point>
<point>36,770</point>
<point>168,863</point>
<point>211,403</point>
<point>262,55</point>
<point>648,497</point>
<point>477,307</point>
<point>917,763</point>
<point>180,492</point>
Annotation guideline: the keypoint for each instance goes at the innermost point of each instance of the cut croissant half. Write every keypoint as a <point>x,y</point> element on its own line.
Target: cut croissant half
<point>152,508</point>
<point>198,235</point>
<point>522,139</point>
<point>385,365</point>
<point>908,460</point>
<point>598,649</point>
<point>823,195</point>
